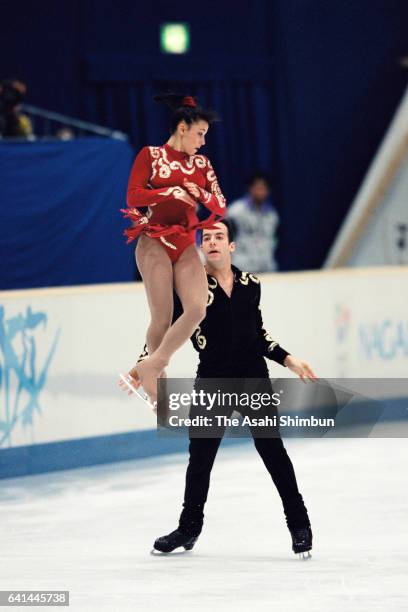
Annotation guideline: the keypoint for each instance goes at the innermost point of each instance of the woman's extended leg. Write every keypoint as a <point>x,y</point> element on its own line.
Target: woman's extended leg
<point>191,285</point>
<point>157,273</point>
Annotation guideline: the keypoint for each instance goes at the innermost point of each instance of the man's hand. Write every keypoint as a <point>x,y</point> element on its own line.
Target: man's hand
<point>301,368</point>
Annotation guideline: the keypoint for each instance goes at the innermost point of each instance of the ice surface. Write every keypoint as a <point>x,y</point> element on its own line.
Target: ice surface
<point>90,531</point>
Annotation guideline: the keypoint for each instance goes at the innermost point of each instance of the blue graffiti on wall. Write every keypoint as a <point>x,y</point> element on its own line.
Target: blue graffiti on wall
<point>385,339</point>
<point>22,362</point>
<point>343,321</point>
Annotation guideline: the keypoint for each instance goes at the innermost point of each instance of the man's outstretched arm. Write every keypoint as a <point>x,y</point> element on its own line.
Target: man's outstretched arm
<point>272,350</point>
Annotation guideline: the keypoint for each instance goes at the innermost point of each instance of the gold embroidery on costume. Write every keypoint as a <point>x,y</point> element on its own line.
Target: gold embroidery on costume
<point>205,196</point>
<point>177,192</point>
<point>163,166</point>
<point>154,152</point>
<point>212,284</point>
<point>216,190</point>
<point>243,279</point>
<point>201,339</point>
<point>273,342</point>
<point>160,159</point>
<point>200,161</point>
<point>164,172</point>
<point>176,165</point>
<point>254,278</point>
<point>169,244</point>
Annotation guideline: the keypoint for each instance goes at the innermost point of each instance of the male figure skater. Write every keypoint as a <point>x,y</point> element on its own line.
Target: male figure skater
<point>232,343</point>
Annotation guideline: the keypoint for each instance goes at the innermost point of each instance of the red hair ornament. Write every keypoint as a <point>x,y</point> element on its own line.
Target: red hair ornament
<point>189,101</point>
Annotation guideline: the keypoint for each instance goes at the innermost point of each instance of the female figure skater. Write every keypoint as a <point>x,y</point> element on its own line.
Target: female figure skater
<point>170,180</point>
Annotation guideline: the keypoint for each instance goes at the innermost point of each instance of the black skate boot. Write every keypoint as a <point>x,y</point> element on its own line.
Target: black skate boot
<point>173,540</point>
<point>302,541</point>
<point>186,535</point>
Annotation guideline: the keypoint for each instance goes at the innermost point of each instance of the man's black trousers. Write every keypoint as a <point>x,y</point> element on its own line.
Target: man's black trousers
<point>271,449</point>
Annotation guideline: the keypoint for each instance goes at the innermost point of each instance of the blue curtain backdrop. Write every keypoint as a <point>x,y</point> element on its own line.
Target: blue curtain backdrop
<point>305,89</point>
<point>59,214</point>
<point>121,88</point>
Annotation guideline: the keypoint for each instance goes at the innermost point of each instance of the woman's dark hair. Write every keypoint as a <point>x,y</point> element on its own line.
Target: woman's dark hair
<point>185,108</point>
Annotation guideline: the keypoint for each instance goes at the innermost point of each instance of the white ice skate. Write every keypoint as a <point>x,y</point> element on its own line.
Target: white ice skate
<point>304,556</point>
<point>139,391</point>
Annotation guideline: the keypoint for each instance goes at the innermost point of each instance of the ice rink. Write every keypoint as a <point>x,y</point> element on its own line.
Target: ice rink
<point>90,531</point>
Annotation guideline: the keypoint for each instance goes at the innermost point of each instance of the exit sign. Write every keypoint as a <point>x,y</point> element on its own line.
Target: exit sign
<point>174,37</point>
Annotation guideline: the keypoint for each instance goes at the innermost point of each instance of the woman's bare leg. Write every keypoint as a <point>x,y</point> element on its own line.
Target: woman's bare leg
<point>191,285</point>
<point>157,273</point>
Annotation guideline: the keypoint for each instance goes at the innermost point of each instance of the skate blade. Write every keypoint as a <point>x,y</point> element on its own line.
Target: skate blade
<point>304,556</point>
<point>135,390</point>
<point>159,553</point>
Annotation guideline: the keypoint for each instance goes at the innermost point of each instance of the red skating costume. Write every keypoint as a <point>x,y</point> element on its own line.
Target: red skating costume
<point>156,181</point>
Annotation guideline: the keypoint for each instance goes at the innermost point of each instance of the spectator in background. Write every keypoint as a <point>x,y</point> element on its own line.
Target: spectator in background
<point>255,219</point>
<point>12,121</point>
<point>65,133</point>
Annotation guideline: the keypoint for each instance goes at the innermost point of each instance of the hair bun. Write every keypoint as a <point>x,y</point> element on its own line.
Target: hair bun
<point>189,101</point>
<point>184,108</point>
<point>176,101</point>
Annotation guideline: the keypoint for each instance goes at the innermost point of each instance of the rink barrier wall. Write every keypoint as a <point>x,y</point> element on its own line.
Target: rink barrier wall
<point>62,348</point>
<point>71,454</point>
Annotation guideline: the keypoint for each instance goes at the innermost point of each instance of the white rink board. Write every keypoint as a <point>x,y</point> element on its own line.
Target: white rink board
<point>345,323</point>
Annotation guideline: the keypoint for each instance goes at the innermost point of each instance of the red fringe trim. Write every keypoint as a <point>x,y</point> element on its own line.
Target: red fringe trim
<point>155,230</point>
